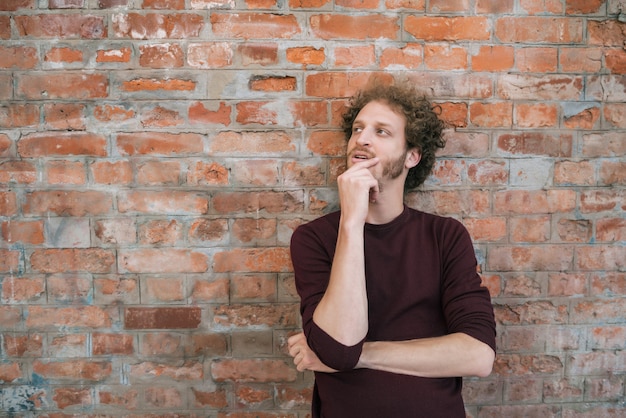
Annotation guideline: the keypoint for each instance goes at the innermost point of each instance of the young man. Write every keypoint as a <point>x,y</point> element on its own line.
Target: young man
<point>392,306</point>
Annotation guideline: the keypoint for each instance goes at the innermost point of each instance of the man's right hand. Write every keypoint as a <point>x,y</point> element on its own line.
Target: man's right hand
<point>303,357</point>
<point>357,188</point>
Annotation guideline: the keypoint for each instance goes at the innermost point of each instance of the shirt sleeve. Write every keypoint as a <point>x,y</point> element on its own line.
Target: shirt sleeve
<point>312,257</point>
<point>466,303</point>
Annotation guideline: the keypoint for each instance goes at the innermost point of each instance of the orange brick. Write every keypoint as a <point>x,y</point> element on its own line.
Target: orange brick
<point>254,25</point>
<point>329,26</point>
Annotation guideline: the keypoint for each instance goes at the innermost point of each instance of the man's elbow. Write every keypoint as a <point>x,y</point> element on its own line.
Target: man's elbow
<point>485,357</point>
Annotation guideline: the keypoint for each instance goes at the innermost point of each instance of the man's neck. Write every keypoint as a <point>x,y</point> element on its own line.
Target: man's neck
<point>387,207</point>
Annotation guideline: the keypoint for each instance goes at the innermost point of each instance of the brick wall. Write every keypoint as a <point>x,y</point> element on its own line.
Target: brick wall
<point>155,156</point>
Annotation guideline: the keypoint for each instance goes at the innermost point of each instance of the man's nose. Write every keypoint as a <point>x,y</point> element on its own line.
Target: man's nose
<point>365,137</point>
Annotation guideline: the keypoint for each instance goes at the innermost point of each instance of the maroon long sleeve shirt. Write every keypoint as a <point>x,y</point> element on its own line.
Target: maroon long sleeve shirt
<point>421,282</point>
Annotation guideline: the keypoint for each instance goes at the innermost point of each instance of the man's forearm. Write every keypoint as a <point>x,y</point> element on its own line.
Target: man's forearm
<point>342,311</point>
<point>447,356</point>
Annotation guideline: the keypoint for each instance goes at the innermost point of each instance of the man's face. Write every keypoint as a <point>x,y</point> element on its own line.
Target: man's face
<point>378,131</point>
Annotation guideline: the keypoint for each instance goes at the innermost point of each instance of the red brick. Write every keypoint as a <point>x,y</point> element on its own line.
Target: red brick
<point>5,145</point>
<point>207,230</point>
<point>251,287</point>
<point>542,6</point>
<point>67,203</point>
<point>23,289</point>
<point>253,370</point>
<point>580,59</point>
<point>144,84</point>
<point>436,28</point>
<point>295,174</point>
<point>62,86</point>
<point>606,32</point>
<point>445,57</point>
<point>157,26</point>
<point>574,172</point>
<point>335,26</point>
<point>583,6</point>
<point>537,257</point>
<point>546,87</point>
<point>563,284</point>
<point>9,261</point>
<point>114,55</point>
<point>116,289</point>
<point>518,364</point>
<point>18,345</point>
<point>493,58</point>
<point>46,144</point>
<point>65,172</point>
<point>417,5</point>
<point>574,230</point>
<point>530,229</point>
<point>252,260</point>
<point>19,115</point>
<point>5,26</point>
<point>255,202</point>
<point>585,119</point>
<point>18,172</point>
<point>63,26</point>
<point>306,55</point>
<point>272,83</point>
<point>615,114</point>
<point>162,261</point>
<point>491,114</point>
<point>608,144</point>
<point>537,60</point>
<point>254,25</point>
<point>601,257</point>
<point>111,344</point>
<point>21,58</point>
<point>408,57</point>
<point>210,291</point>
<point>65,116</point>
<point>259,54</point>
<point>163,290</point>
<point>329,84</point>
<point>159,143</point>
<point>536,115</point>
<point>66,55</point>
<point>600,200</point>
<point>162,318</point>
<point>544,144</point>
<point>40,317</point>
<point>93,260</point>
<point>216,398</point>
<point>254,230</point>
<point>486,229</point>
<point>327,143</point>
<point>158,173</point>
<point>164,4</point>
<point>355,57</point>
<point>112,172</point>
<point>210,55</point>
<point>248,396</point>
<point>160,231</point>
<point>539,29</point>
<point>166,202</point>
<point>199,113</point>
<point>29,232</point>
<point>123,398</point>
<point>270,142</point>
<point>67,397</point>
<point>108,113</point>
<point>611,229</point>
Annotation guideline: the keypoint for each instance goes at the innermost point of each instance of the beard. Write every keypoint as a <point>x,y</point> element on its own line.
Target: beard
<point>394,168</point>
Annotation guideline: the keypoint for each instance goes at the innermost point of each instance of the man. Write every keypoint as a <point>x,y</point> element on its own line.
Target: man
<point>392,307</point>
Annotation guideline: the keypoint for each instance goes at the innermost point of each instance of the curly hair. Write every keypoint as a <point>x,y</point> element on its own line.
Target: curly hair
<point>423,129</point>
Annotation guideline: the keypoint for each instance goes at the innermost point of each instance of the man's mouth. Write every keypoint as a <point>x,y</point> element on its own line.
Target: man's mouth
<point>361,155</point>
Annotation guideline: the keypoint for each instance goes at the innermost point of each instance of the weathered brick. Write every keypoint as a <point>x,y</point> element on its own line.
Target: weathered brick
<point>162,318</point>
<point>253,370</point>
<point>254,25</point>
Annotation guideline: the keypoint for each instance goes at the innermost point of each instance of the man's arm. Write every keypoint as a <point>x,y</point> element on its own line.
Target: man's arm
<point>343,310</point>
<point>451,355</point>
<point>448,356</point>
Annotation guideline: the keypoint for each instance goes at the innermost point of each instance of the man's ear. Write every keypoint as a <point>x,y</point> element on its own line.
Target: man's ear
<point>413,158</point>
